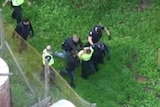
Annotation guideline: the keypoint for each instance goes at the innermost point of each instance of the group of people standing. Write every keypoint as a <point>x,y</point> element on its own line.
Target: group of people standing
<point>17,8</point>
<point>89,55</point>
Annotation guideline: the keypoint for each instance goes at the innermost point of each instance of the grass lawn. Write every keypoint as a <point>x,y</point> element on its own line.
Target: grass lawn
<point>130,78</point>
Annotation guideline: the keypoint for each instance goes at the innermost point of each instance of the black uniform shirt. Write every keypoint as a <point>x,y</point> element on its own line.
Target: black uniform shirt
<point>72,63</point>
<point>71,45</point>
<point>24,30</point>
<point>96,36</point>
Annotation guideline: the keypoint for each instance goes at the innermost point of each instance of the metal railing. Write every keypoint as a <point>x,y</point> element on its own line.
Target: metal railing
<point>1,31</point>
<point>29,78</point>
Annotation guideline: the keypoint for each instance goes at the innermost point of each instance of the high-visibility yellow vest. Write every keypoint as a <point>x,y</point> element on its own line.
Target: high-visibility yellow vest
<point>17,2</point>
<point>85,57</point>
<point>50,60</point>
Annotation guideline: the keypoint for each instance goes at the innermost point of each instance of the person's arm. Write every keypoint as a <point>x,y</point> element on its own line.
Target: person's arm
<point>80,43</point>
<point>71,44</point>
<point>18,30</point>
<point>28,2</point>
<point>91,49</point>
<point>31,30</point>
<point>90,40</point>
<point>108,33</point>
<point>107,51</point>
<point>5,2</point>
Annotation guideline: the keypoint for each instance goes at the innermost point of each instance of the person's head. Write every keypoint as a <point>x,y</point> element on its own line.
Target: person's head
<point>75,38</point>
<point>49,48</point>
<point>99,28</point>
<point>87,50</point>
<point>26,21</point>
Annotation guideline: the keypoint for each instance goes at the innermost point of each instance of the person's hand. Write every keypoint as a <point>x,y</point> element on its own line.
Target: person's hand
<point>29,3</point>
<point>4,4</point>
<point>93,46</point>
<point>85,48</point>
<point>109,37</point>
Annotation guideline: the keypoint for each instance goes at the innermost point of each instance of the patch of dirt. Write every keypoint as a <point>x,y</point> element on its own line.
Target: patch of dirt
<point>141,78</point>
<point>147,88</point>
<point>144,4</point>
<point>129,66</point>
<point>133,58</point>
<point>144,80</point>
<point>158,94</point>
<point>79,5</point>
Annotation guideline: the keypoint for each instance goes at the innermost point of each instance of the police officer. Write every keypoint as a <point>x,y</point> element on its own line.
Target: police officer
<point>13,2</point>
<point>95,34</point>
<point>72,63</point>
<point>104,49</point>
<point>23,30</point>
<point>87,64</point>
<point>47,59</point>
<point>100,50</point>
<point>73,43</point>
<point>47,56</point>
<point>17,11</point>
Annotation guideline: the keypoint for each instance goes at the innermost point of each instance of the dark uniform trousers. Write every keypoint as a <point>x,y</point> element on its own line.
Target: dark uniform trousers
<point>87,69</point>
<point>17,13</point>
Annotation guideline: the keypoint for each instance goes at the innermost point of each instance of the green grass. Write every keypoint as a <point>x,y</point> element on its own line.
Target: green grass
<point>134,45</point>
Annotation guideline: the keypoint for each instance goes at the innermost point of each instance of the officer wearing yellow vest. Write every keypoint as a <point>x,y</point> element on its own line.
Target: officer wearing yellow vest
<point>47,56</point>
<point>17,11</point>
<point>86,62</point>
<point>47,60</point>
<point>15,2</point>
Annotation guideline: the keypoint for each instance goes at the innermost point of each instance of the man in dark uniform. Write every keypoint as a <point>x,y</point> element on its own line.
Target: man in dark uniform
<point>73,43</point>
<point>17,13</point>
<point>100,50</point>
<point>72,63</point>
<point>95,34</point>
<point>23,30</point>
<point>17,10</point>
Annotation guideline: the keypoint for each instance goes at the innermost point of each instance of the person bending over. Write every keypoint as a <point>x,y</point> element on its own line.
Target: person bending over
<point>95,34</point>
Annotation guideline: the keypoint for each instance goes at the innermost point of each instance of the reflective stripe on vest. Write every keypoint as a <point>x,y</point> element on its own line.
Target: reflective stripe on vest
<point>50,61</point>
<point>85,57</point>
<point>17,2</point>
